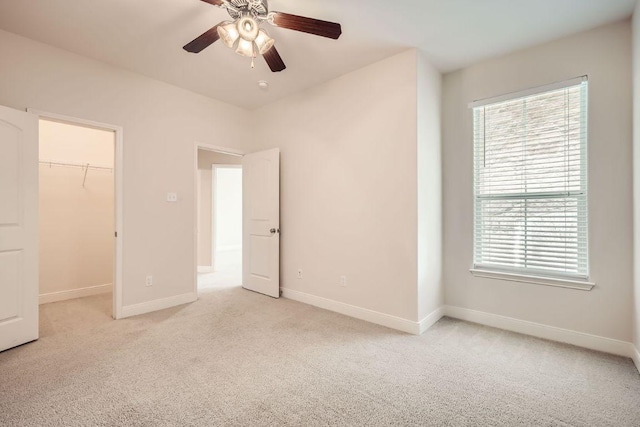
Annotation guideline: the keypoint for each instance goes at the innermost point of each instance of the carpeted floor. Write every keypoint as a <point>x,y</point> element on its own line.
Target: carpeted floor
<point>239,358</point>
<point>228,272</point>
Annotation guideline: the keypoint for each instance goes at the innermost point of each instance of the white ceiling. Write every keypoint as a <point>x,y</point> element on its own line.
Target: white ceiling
<point>146,36</point>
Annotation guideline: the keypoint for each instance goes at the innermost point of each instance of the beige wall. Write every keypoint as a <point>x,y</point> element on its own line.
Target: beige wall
<point>349,186</point>
<point>604,55</point>
<point>76,222</point>
<point>636,170</point>
<point>161,124</point>
<point>205,160</point>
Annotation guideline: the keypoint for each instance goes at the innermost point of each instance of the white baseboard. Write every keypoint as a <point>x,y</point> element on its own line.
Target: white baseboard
<point>159,304</point>
<point>376,317</point>
<point>580,339</point>
<point>74,293</point>
<point>552,333</point>
<point>430,320</point>
<point>636,357</point>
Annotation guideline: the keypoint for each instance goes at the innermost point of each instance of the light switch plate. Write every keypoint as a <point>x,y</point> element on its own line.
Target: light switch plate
<point>172,197</point>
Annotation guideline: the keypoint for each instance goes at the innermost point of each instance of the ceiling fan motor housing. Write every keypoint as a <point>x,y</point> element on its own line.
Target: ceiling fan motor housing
<point>258,9</point>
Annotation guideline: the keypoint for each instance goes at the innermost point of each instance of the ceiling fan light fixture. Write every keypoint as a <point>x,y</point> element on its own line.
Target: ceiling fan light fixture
<point>228,33</point>
<point>245,36</point>
<point>245,48</point>
<point>263,42</point>
<point>248,28</point>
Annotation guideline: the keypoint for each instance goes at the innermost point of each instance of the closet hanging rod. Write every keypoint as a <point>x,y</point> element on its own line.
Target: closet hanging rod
<point>75,165</point>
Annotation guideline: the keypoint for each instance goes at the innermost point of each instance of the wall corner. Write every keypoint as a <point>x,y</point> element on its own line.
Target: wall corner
<point>429,197</point>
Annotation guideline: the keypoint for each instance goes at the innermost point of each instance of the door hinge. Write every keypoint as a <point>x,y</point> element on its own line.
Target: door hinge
<point>116,233</point>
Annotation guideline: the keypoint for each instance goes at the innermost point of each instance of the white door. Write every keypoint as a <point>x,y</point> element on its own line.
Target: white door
<point>18,227</point>
<point>261,222</point>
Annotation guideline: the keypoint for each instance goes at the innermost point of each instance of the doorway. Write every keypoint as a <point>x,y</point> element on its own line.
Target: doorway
<point>80,217</point>
<point>219,222</point>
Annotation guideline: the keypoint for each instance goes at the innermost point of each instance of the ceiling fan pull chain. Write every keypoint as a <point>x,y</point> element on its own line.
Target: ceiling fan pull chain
<point>253,56</point>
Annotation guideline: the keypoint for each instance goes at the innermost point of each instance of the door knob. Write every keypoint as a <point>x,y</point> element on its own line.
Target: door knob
<point>274,230</point>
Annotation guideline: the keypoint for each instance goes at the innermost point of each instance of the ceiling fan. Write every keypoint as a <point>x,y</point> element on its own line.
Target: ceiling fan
<point>245,35</point>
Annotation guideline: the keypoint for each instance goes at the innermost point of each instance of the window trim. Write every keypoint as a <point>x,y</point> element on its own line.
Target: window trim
<point>577,282</point>
<point>528,92</point>
<point>581,285</point>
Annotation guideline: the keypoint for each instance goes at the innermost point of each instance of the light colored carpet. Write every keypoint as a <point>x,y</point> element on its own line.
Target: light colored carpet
<point>228,271</point>
<point>239,358</point>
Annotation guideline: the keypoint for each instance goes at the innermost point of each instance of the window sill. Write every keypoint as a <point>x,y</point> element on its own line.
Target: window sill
<point>581,285</point>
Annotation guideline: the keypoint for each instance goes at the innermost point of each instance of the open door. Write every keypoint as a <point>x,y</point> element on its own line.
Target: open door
<point>18,228</point>
<point>261,222</point>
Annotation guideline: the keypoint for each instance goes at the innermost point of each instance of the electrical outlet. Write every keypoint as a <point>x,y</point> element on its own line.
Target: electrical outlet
<point>299,273</point>
<point>343,281</point>
<point>149,281</point>
<point>172,197</point>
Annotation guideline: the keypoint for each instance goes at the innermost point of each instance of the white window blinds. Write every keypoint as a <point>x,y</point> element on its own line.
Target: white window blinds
<point>530,182</point>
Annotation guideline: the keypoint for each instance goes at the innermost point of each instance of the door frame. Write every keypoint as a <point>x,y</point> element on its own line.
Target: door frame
<point>214,204</point>
<point>118,169</point>
<point>218,149</point>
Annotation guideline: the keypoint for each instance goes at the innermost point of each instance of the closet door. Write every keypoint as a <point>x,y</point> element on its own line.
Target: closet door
<point>18,227</point>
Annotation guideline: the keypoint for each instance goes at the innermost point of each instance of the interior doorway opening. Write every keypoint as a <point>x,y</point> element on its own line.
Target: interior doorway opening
<point>219,223</point>
<point>77,201</point>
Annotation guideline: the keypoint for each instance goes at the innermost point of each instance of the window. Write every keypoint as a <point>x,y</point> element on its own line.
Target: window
<point>530,182</point>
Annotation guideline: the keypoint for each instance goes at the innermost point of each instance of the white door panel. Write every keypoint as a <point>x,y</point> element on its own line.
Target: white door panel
<point>18,228</point>
<point>9,173</point>
<point>261,222</point>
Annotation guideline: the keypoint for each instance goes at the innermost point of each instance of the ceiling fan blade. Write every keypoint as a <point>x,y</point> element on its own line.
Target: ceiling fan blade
<point>317,27</point>
<point>214,2</point>
<point>274,60</point>
<point>203,41</point>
